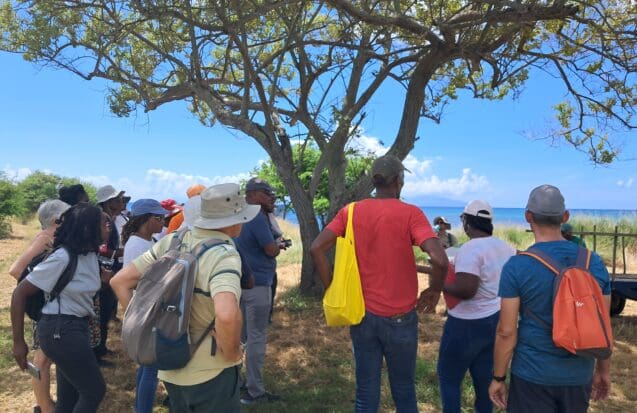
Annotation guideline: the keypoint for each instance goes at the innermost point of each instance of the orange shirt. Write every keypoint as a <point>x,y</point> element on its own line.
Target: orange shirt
<point>175,222</point>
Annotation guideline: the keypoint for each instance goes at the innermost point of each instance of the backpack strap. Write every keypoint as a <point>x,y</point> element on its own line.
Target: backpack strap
<point>65,277</point>
<point>583,258</point>
<point>199,250</point>
<point>554,266</point>
<point>61,283</point>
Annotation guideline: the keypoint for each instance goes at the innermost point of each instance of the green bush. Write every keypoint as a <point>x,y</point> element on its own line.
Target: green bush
<point>11,204</point>
<point>40,186</point>
<point>5,227</point>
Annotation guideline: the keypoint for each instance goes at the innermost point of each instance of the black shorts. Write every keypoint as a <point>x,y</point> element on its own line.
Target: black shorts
<point>527,397</point>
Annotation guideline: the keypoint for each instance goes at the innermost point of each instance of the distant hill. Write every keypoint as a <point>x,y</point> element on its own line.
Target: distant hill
<point>434,201</point>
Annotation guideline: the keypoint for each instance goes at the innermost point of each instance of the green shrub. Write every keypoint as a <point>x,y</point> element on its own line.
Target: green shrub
<point>5,227</point>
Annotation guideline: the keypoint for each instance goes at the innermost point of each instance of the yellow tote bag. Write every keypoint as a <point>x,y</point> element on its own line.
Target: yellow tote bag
<point>343,303</point>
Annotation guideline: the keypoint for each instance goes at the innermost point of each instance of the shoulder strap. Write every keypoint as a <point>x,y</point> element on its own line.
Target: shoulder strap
<point>199,250</point>
<point>65,277</point>
<point>178,238</point>
<point>543,258</point>
<point>349,230</point>
<point>583,258</point>
<point>204,246</point>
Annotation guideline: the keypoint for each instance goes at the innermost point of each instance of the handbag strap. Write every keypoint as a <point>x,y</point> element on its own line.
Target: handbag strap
<point>349,231</point>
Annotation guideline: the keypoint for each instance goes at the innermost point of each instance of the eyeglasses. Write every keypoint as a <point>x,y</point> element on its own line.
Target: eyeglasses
<point>268,193</point>
<point>159,217</point>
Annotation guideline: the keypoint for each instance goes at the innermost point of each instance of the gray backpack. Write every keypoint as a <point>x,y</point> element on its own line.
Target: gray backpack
<point>156,322</point>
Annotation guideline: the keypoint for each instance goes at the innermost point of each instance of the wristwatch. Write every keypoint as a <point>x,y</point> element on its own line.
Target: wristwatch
<point>499,379</point>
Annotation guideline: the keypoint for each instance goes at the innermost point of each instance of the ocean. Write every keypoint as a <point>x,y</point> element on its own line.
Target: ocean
<point>510,216</point>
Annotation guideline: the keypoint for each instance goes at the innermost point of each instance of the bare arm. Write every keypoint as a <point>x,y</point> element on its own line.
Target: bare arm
<point>36,247</point>
<point>323,242</point>
<point>18,302</point>
<point>439,262</point>
<point>124,282</point>
<point>465,286</point>
<point>601,375</point>
<point>506,338</point>
<point>272,249</point>
<point>228,322</point>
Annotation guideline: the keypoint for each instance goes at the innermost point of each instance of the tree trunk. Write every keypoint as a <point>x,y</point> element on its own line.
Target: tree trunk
<point>308,226</point>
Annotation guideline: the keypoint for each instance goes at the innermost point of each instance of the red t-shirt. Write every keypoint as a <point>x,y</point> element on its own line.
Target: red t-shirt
<point>385,231</point>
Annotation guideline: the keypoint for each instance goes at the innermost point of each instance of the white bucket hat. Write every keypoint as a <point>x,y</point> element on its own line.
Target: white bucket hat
<point>223,206</point>
<point>107,192</point>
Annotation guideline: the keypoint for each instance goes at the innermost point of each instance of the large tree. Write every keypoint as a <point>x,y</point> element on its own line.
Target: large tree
<point>285,71</point>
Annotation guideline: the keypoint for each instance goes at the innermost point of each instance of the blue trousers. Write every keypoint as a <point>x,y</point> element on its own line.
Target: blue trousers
<point>396,340</point>
<point>466,345</point>
<point>145,390</point>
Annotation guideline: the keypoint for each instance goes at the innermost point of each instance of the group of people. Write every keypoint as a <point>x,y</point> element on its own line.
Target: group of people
<point>502,300</point>
<point>499,303</point>
<point>107,248</point>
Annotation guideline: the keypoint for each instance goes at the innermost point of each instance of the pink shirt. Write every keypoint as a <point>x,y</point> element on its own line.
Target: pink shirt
<point>385,231</point>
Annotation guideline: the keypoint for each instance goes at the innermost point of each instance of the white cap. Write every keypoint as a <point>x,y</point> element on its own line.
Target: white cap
<point>478,208</point>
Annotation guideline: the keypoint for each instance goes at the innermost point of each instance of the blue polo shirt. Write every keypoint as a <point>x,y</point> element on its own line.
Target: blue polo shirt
<point>536,359</point>
<point>255,235</point>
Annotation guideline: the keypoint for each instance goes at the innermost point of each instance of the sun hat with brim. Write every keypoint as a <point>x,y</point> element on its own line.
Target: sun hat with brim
<point>107,192</point>
<point>442,220</point>
<point>478,208</point>
<point>147,206</point>
<point>223,206</point>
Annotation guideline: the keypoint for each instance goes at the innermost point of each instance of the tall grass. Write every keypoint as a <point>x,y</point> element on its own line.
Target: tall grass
<point>294,254</point>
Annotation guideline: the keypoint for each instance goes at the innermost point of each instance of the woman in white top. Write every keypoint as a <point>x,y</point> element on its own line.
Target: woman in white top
<point>147,218</point>
<point>49,214</point>
<point>469,332</point>
<point>63,326</point>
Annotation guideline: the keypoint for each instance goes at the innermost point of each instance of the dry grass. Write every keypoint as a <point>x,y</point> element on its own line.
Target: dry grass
<point>309,364</point>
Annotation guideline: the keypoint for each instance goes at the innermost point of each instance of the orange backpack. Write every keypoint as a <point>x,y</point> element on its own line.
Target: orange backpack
<point>581,322</point>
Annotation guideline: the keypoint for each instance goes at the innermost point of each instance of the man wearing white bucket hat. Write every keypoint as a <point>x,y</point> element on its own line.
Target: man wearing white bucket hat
<point>207,383</point>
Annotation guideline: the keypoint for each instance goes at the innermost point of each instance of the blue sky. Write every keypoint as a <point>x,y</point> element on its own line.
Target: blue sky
<point>54,121</point>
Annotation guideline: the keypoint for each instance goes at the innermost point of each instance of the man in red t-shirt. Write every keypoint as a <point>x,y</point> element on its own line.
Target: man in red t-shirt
<point>386,230</point>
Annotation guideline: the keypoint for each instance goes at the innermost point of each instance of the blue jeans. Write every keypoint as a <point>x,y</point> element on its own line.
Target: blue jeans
<point>145,391</point>
<point>466,345</point>
<point>395,339</point>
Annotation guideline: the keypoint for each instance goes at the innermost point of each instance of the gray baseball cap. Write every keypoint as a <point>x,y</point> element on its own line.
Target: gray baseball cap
<point>546,200</point>
<point>388,166</point>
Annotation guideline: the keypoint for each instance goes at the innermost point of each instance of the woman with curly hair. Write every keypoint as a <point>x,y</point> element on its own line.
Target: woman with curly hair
<point>63,326</point>
<point>49,214</point>
<point>147,218</point>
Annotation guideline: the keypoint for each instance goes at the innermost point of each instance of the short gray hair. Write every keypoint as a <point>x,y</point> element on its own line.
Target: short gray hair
<point>51,210</point>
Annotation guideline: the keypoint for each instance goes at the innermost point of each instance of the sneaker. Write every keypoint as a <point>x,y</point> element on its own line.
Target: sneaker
<point>263,398</point>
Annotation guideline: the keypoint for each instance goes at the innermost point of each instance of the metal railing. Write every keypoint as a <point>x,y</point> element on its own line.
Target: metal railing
<point>617,236</point>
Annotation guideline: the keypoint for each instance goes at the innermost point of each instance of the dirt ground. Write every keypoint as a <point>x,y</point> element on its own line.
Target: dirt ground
<point>299,344</point>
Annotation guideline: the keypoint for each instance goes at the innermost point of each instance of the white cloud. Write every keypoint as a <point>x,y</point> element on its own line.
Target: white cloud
<point>628,183</point>
<point>468,183</point>
<point>16,174</point>
<point>422,180</point>
<point>161,184</point>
